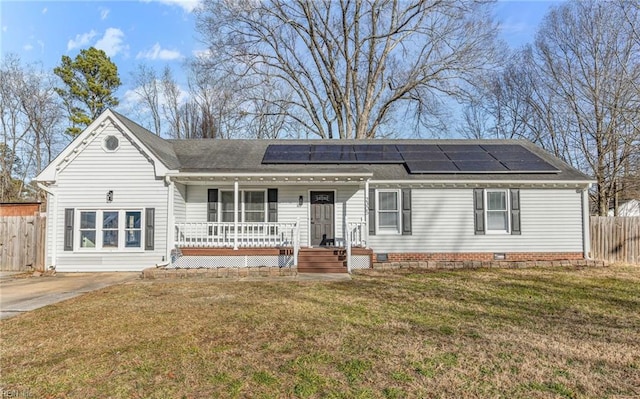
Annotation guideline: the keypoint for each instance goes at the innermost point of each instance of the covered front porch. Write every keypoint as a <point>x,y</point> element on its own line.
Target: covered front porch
<point>251,221</point>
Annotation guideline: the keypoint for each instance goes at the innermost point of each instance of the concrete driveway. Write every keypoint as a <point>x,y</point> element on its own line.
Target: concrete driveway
<point>22,294</point>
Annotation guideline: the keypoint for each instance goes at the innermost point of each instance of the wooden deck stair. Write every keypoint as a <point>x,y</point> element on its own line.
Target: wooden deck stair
<point>322,260</point>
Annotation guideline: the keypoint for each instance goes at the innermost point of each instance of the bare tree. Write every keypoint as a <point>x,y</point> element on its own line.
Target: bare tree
<point>588,58</point>
<point>171,106</point>
<point>347,69</point>
<point>148,89</point>
<point>30,117</point>
<point>575,92</point>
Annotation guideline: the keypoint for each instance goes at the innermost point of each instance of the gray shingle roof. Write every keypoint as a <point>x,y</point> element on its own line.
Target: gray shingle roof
<point>160,147</point>
<point>245,156</point>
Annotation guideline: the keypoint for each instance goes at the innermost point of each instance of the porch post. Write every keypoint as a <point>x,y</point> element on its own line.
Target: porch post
<point>235,214</point>
<point>171,229</point>
<point>365,230</point>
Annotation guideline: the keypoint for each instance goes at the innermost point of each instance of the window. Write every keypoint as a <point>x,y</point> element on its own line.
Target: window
<point>133,230</point>
<point>497,211</point>
<point>252,206</point>
<point>110,143</point>
<point>110,229</point>
<point>388,212</point>
<point>87,229</point>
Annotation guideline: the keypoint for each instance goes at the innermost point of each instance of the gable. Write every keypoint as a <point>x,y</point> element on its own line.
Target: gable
<point>107,124</point>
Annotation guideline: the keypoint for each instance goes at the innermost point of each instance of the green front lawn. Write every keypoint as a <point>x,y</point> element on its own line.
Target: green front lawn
<point>528,333</point>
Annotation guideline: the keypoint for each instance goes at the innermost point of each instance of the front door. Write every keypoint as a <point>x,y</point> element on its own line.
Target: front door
<point>322,218</point>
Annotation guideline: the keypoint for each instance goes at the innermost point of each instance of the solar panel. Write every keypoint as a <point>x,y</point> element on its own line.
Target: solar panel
<point>418,158</point>
<point>461,148</point>
<point>480,166</point>
<point>470,156</point>
<point>422,148</point>
<point>424,156</point>
<point>529,166</point>
<point>431,167</point>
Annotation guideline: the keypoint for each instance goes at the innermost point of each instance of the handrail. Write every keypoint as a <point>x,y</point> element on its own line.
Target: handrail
<point>223,234</point>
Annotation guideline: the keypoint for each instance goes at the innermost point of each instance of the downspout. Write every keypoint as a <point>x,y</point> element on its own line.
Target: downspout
<point>54,226</point>
<point>170,223</point>
<point>586,226</point>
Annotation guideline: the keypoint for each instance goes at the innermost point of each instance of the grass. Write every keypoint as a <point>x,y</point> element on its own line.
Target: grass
<point>532,333</point>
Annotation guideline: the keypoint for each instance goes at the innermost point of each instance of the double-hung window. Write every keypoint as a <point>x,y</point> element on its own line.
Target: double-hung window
<point>110,229</point>
<point>252,206</point>
<point>133,229</point>
<point>388,211</point>
<point>88,229</point>
<point>497,211</point>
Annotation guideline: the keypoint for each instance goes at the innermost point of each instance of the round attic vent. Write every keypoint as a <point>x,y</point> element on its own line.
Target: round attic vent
<point>111,143</point>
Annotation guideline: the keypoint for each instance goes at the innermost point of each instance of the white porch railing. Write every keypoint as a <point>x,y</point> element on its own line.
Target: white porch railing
<point>223,235</point>
<point>356,234</point>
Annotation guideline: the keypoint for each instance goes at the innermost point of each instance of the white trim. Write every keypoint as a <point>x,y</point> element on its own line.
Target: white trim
<point>235,214</point>
<point>267,174</point>
<point>335,212</point>
<point>365,233</point>
<point>398,193</point>
<point>484,183</point>
<point>488,231</point>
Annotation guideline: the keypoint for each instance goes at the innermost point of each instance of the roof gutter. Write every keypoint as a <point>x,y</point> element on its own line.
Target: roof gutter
<point>268,174</point>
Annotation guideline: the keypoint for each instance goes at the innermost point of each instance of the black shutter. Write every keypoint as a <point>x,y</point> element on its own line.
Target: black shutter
<point>372,212</point>
<point>212,205</point>
<point>515,211</point>
<point>149,230</point>
<point>478,210</point>
<point>272,199</point>
<point>68,229</point>
<point>406,211</point>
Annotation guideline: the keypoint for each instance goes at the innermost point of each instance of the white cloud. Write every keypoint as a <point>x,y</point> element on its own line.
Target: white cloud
<point>104,12</point>
<point>41,44</point>
<point>112,42</point>
<point>202,54</point>
<point>80,40</point>
<point>187,5</point>
<point>44,10</point>
<point>4,28</point>
<point>27,47</point>
<point>158,53</point>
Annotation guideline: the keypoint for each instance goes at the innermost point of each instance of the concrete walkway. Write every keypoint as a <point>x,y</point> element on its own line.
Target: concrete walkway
<point>20,294</point>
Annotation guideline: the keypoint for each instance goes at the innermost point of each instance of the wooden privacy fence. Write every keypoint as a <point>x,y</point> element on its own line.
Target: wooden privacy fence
<point>22,243</point>
<point>615,239</point>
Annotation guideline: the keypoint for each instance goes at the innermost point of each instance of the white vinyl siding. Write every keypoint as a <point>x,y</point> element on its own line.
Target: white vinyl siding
<point>179,203</point>
<point>551,221</point>
<point>83,185</point>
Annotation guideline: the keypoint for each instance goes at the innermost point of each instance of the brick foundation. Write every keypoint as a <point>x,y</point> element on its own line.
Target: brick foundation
<point>481,256</point>
<point>475,264</point>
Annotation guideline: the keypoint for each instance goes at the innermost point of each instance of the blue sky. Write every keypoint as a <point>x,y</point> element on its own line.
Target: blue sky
<point>155,32</point>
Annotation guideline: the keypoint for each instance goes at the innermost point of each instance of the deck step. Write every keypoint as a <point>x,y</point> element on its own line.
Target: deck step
<point>322,260</point>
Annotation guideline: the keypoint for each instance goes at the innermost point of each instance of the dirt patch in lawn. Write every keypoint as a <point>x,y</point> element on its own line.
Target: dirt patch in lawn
<point>533,333</point>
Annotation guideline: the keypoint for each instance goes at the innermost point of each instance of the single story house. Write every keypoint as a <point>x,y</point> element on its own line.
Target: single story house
<point>121,198</point>
<point>628,208</point>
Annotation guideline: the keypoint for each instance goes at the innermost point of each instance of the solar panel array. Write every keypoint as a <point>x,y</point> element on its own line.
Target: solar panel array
<point>417,158</point>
